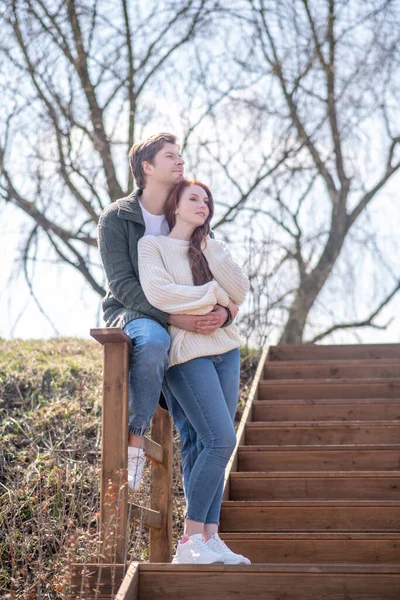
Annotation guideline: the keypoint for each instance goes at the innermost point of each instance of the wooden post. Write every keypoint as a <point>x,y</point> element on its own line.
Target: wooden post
<point>113,487</point>
<point>161,488</point>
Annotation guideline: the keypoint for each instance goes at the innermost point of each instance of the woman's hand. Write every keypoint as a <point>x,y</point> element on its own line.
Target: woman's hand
<point>200,324</point>
<point>233,308</point>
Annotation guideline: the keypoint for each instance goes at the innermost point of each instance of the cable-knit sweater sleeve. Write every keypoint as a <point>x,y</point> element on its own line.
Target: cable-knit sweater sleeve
<point>229,274</point>
<point>163,293</point>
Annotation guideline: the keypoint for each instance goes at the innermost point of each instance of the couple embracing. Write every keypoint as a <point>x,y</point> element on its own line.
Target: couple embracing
<point>175,290</point>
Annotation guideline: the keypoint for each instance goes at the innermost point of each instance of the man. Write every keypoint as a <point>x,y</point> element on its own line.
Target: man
<point>157,166</point>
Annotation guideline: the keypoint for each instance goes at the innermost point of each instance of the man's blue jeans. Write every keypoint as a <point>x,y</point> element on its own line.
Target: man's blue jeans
<point>206,390</point>
<point>151,343</point>
<point>150,360</point>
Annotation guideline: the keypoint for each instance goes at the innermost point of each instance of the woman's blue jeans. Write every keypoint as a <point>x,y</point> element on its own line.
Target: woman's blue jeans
<point>206,390</point>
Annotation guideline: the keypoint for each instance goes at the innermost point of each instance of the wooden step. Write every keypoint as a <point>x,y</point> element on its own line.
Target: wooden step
<point>253,582</point>
<point>335,485</point>
<point>327,409</point>
<point>332,369</point>
<point>311,515</point>
<point>272,581</point>
<point>334,352</point>
<point>322,433</point>
<point>347,548</point>
<point>269,582</point>
<point>354,457</point>
<point>328,388</point>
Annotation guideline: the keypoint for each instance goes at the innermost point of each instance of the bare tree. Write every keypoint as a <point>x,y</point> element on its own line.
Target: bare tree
<point>79,79</point>
<point>328,81</point>
<point>288,108</point>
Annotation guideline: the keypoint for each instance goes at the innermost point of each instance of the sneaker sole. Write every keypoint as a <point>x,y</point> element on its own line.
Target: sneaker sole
<point>176,562</point>
<point>240,562</point>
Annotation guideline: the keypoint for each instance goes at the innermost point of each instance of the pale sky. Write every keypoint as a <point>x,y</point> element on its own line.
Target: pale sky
<point>71,305</point>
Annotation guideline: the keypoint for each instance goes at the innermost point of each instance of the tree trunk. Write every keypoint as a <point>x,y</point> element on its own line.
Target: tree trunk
<point>311,284</point>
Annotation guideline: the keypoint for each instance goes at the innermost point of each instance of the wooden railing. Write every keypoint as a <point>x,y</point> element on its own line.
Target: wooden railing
<point>247,416</point>
<point>113,487</point>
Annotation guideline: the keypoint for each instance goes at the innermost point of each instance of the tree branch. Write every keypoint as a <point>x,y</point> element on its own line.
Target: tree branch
<point>54,118</point>
<point>226,218</point>
<point>131,86</point>
<point>366,199</point>
<point>11,194</point>
<point>182,41</point>
<point>80,265</point>
<point>101,140</point>
<point>304,137</point>
<point>357,324</point>
<point>329,69</point>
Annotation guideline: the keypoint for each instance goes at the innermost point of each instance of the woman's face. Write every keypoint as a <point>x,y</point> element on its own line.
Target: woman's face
<point>193,206</point>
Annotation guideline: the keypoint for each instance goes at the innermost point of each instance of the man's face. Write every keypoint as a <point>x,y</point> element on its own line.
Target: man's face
<point>167,167</point>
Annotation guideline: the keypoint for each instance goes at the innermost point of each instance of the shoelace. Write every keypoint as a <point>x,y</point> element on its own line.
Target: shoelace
<point>136,464</point>
<point>197,543</point>
<point>221,543</point>
<point>133,459</point>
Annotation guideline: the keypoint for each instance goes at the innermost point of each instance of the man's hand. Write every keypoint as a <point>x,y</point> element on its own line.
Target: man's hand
<point>213,321</point>
<point>200,324</point>
<point>234,309</point>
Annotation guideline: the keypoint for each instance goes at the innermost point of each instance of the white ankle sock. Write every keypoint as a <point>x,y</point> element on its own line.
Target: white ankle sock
<point>133,451</point>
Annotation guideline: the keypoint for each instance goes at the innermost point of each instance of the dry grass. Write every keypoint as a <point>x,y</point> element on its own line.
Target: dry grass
<point>50,416</point>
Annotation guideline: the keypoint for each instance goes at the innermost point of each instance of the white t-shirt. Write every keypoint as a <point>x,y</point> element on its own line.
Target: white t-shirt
<point>155,224</point>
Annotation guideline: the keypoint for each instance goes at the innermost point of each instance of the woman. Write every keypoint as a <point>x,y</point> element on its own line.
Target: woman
<point>187,272</point>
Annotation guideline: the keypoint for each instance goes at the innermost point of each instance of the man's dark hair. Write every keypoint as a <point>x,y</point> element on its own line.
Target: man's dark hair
<point>145,150</point>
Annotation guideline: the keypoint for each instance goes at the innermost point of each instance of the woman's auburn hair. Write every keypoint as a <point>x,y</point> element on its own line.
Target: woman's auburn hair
<point>198,263</point>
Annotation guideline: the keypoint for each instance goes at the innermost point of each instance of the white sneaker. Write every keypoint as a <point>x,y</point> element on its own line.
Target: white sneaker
<point>230,558</point>
<point>136,462</point>
<point>195,552</point>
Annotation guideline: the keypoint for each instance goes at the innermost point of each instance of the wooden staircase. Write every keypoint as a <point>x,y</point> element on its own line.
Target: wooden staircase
<point>312,493</point>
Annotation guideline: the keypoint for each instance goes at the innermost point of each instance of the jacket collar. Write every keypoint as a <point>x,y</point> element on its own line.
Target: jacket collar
<point>129,208</point>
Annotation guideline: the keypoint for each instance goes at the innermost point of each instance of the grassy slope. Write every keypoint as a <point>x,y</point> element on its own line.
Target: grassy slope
<point>50,416</point>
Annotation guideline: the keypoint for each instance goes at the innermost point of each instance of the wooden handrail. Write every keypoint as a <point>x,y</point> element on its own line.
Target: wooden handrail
<point>232,465</point>
<point>113,487</point>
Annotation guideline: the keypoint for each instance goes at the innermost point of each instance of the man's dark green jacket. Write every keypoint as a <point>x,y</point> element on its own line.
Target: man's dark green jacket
<point>121,226</point>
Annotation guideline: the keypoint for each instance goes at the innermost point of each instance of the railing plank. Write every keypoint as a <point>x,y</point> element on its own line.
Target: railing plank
<point>129,589</point>
<point>153,450</point>
<point>146,516</point>
<point>246,417</point>
<point>94,581</point>
<point>110,335</point>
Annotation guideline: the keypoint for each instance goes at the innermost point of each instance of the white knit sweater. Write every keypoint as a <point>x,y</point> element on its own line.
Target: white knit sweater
<point>167,282</point>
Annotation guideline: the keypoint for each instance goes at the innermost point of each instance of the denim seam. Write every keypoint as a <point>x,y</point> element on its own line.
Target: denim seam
<point>192,440</point>
<point>138,430</point>
<point>211,523</point>
<point>191,465</point>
